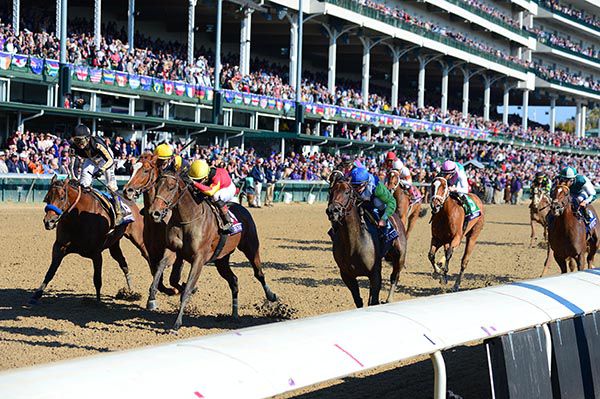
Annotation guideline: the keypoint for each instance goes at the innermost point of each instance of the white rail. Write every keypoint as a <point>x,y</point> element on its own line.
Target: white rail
<point>271,359</point>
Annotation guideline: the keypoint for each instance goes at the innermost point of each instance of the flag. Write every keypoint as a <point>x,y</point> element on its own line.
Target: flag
<point>279,105</point>
<point>263,102</point>
<point>247,99</point>
<point>287,106</point>
<point>81,72</point>
<point>36,65</point>
<point>190,90</point>
<point>209,94</point>
<point>121,78</point>
<point>179,88</point>
<point>237,98</point>
<point>95,75</point>
<point>52,68</point>
<point>156,85</point>
<point>109,76</point>
<point>228,95</point>
<point>271,103</point>
<point>168,87</point>
<point>20,61</point>
<point>5,60</point>
<point>146,83</point>
<point>134,81</point>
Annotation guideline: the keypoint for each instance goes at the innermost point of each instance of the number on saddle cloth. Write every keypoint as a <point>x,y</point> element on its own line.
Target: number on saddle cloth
<point>111,200</point>
<point>471,209</point>
<point>387,234</point>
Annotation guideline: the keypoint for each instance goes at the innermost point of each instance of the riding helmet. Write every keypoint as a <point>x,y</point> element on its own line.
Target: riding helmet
<point>81,131</point>
<point>391,156</point>
<point>199,169</point>
<point>568,173</point>
<point>163,151</point>
<point>448,167</point>
<point>539,175</point>
<point>359,176</point>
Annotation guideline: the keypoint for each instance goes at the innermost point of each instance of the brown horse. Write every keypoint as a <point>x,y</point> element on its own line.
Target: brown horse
<point>357,249</point>
<point>143,181</point>
<point>407,211</point>
<point>83,226</point>
<point>567,236</point>
<point>538,210</point>
<point>448,228</point>
<point>193,234</point>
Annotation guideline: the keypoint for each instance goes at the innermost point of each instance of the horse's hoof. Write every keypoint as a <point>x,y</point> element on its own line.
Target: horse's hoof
<point>272,297</point>
<point>173,331</point>
<point>151,305</point>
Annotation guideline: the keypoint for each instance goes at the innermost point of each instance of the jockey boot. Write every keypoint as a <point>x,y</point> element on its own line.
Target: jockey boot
<point>225,215</point>
<point>118,210</point>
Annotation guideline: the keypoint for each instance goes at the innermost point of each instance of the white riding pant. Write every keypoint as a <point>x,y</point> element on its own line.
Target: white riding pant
<point>225,194</point>
<point>87,174</point>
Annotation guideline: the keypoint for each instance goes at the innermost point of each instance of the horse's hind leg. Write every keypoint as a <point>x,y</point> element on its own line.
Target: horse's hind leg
<point>97,260</point>
<point>225,271</point>
<point>252,252</point>
<point>352,285</point>
<point>117,254</point>
<point>591,254</point>
<point>562,263</point>
<point>175,276</point>
<point>58,255</point>
<point>532,238</point>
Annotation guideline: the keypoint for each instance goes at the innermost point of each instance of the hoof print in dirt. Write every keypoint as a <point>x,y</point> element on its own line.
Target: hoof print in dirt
<point>276,310</point>
<point>128,295</point>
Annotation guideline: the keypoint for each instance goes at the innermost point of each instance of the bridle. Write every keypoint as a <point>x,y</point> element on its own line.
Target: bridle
<point>538,196</point>
<point>394,172</point>
<point>64,202</point>
<point>342,210</point>
<point>442,198</point>
<point>150,183</point>
<point>175,198</point>
<point>559,206</point>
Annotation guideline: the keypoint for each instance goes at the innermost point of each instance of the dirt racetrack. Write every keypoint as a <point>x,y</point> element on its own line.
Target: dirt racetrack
<point>298,265</point>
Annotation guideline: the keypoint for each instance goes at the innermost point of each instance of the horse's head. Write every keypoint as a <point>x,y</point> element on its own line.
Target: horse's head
<point>439,194</point>
<point>335,176</point>
<point>170,187</point>
<point>393,180</point>
<point>342,199</point>
<point>561,199</point>
<point>143,178</point>
<point>57,202</point>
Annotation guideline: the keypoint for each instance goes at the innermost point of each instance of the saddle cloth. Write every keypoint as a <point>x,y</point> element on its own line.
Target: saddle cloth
<point>107,201</point>
<point>471,209</point>
<point>415,195</point>
<point>236,225</point>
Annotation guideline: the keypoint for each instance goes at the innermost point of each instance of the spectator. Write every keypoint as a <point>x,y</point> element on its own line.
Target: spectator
<point>3,167</point>
<point>23,163</point>
<point>258,174</point>
<point>271,179</point>
<point>11,164</point>
<point>516,189</point>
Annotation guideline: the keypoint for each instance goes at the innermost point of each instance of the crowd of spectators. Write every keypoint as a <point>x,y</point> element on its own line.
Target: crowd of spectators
<point>572,12</point>
<point>559,41</point>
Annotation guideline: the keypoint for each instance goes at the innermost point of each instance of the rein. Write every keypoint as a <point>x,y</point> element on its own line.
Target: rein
<point>445,195</point>
<point>65,200</point>
<point>395,172</point>
<point>352,199</point>
<point>173,202</point>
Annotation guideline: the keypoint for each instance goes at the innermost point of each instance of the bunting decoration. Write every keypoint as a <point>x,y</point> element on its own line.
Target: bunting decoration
<point>179,88</point>
<point>134,82</point>
<point>52,68</point>
<point>146,83</point>
<point>157,85</point>
<point>121,78</point>
<point>108,76</point>
<point>81,72</point>
<point>20,61</point>
<point>95,75</point>
<point>36,65</point>
<point>168,87</point>
<point>5,59</point>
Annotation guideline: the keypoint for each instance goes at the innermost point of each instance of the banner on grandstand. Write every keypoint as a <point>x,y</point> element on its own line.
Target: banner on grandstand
<point>20,61</point>
<point>5,60</point>
<point>95,75</point>
<point>134,82</point>
<point>81,72</point>
<point>108,76</point>
<point>36,65</point>
<point>52,68</point>
<point>121,78</point>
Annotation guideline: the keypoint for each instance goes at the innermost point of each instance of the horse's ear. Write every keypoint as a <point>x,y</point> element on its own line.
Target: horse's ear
<point>54,177</point>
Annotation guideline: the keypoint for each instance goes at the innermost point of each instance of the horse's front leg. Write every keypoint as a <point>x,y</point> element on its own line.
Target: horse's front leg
<point>158,274</point>
<point>58,253</point>
<point>435,245</point>
<point>532,238</point>
<point>375,285</point>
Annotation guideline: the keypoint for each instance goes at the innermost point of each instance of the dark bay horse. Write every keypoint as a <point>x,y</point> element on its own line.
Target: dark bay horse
<point>357,249</point>
<point>407,211</point>
<point>143,181</point>
<point>193,234</point>
<point>538,210</point>
<point>448,229</point>
<point>83,227</point>
<point>567,236</point>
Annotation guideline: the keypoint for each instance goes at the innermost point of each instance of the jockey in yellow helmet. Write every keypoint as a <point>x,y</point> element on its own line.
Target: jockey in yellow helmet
<point>215,183</point>
<point>167,159</point>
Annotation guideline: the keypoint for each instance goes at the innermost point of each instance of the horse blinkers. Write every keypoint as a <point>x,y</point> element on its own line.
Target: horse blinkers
<point>53,212</point>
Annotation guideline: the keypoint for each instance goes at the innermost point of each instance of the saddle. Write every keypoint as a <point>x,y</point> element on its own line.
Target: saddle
<point>107,201</point>
<point>236,227</point>
<point>387,235</point>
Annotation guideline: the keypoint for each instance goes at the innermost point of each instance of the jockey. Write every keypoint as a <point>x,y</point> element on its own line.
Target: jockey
<point>406,179</point>
<point>215,183</point>
<point>348,165</point>
<point>390,158</point>
<point>371,189</point>
<point>98,161</point>
<point>542,182</point>
<point>581,188</point>
<point>166,158</point>
<point>456,176</point>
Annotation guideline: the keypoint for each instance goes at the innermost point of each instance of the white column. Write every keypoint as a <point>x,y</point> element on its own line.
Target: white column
<point>58,12</point>
<point>332,61</point>
<point>16,15</point>
<point>131,25</point>
<point>525,115</point>
<point>578,120</point>
<point>97,22</point>
<point>505,105</point>
<point>293,52</point>
<point>395,78</point>
<point>444,105</point>
<point>421,88</point>
<point>131,108</point>
<point>191,31</point>
<point>583,119</point>
<point>552,114</point>
<point>245,40</point>
<point>520,19</point>
<point>465,105</point>
<point>366,64</point>
<point>486,98</point>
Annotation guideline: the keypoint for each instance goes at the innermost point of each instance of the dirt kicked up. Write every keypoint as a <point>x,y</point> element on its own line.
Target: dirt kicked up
<point>298,265</point>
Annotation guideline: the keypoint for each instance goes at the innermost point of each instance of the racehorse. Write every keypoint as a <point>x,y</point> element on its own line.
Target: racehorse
<point>407,211</point>
<point>143,181</point>
<point>538,210</point>
<point>193,234</point>
<point>567,236</point>
<point>448,227</point>
<point>357,249</point>
<point>83,226</point>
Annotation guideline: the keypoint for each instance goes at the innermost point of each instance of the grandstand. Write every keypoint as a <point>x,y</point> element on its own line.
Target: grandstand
<point>371,71</point>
